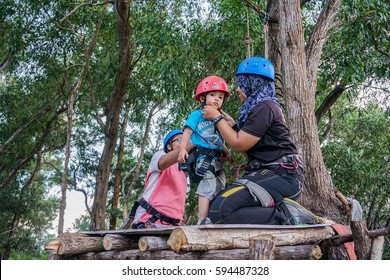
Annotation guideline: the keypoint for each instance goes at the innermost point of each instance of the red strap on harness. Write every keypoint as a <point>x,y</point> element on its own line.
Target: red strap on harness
<point>349,246</point>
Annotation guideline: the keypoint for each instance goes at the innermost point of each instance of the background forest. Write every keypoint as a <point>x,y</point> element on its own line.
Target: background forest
<point>89,89</point>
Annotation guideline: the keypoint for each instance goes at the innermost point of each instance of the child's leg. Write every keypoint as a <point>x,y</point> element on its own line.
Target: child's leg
<point>203,206</point>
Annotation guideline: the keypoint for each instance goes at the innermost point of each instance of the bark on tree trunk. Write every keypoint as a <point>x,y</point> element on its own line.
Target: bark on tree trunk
<point>118,173</point>
<point>361,239</point>
<point>299,71</point>
<point>274,48</point>
<point>113,109</point>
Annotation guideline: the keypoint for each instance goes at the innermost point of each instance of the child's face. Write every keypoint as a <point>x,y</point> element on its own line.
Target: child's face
<point>215,98</point>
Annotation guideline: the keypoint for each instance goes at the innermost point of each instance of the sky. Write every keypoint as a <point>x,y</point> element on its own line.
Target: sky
<point>74,209</point>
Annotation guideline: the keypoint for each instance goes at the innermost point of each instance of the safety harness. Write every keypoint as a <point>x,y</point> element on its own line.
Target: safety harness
<point>257,191</point>
<point>196,174</point>
<point>156,215</point>
<point>289,162</point>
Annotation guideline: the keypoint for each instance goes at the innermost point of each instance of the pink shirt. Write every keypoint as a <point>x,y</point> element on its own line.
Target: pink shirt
<point>164,190</point>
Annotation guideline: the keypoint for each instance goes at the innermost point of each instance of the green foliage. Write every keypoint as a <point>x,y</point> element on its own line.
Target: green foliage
<point>357,156</point>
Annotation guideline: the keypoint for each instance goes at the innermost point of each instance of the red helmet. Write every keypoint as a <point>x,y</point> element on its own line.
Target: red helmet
<point>211,83</point>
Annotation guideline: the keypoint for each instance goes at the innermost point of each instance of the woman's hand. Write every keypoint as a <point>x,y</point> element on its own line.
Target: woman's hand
<point>228,118</point>
<point>210,113</point>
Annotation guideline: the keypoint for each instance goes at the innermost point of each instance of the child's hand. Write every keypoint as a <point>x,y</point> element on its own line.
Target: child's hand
<point>230,158</point>
<point>227,156</point>
<point>183,155</point>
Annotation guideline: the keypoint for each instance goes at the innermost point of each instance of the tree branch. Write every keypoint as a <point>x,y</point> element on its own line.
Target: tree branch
<point>329,101</point>
<point>317,39</point>
<point>7,60</point>
<point>81,6</point>
<point>20,129</point>
<point>36,150</point>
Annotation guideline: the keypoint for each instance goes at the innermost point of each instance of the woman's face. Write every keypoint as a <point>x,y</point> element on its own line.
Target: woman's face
<point>241,95</point>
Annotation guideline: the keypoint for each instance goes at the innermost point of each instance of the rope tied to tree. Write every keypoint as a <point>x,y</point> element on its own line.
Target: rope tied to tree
<point>266,20</point>
<point>248,40</point>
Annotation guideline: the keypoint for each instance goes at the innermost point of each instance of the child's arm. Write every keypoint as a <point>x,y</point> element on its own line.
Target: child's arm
<point>185,139</point>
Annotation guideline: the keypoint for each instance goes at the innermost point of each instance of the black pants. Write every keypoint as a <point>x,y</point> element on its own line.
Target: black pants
<point>236,205</point>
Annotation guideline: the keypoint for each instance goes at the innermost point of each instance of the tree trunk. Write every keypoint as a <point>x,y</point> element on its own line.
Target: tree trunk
<point>361,239</point>
<point>118,173</point>
<point>274,48</point>
<point>299,71</point>
<point>377,248</point>
<point>113,109</point>
<point>8,247</point>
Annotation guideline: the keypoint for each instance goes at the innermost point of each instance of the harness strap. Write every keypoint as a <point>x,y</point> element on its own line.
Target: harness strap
<point>258,192</point>
<point>206,165</point>
<point>292,162</point>
<point>197,174</point>
<point>208,152</point>
<point>156,215</point>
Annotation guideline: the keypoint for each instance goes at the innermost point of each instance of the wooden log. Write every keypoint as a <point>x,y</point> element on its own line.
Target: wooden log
<point>204,239</point>
<point>117,242</point>
<point>262,247</point>
<point>152,243</point>
<point>361,239</point>
<point>75,243</point>
<point>234,254</point>
<point>137,255</point>
<point>297,252</point>
<point>377,248</point>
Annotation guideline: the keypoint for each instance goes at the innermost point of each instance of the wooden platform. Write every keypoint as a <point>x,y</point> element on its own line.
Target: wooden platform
<point>194,242</point>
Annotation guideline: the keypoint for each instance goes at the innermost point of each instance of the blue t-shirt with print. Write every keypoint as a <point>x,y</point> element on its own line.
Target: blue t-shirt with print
<point>204,132</point>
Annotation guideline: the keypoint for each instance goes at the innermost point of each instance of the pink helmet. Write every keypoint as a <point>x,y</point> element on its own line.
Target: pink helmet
<point>211,83</point>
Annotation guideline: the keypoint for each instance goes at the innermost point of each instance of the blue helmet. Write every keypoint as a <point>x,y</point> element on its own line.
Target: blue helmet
<point>169,136</point>
<point>257,66</point>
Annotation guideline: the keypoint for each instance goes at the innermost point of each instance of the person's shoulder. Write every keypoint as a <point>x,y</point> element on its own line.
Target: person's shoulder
<point>268,105</point>
<point>153,165</point>
<point>158,154</point>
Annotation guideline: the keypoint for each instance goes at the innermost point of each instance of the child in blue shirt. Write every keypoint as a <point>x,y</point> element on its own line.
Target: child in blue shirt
<point>209,143</point>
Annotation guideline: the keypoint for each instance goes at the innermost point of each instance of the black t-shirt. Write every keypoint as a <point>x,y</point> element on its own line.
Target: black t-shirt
<point>266,121</point>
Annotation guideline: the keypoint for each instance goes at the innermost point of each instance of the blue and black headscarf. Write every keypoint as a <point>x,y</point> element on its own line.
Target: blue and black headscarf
<point>257,89</point>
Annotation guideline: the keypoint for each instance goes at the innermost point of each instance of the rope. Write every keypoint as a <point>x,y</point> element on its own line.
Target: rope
<point>249,41</point>
<point>266,19</point>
